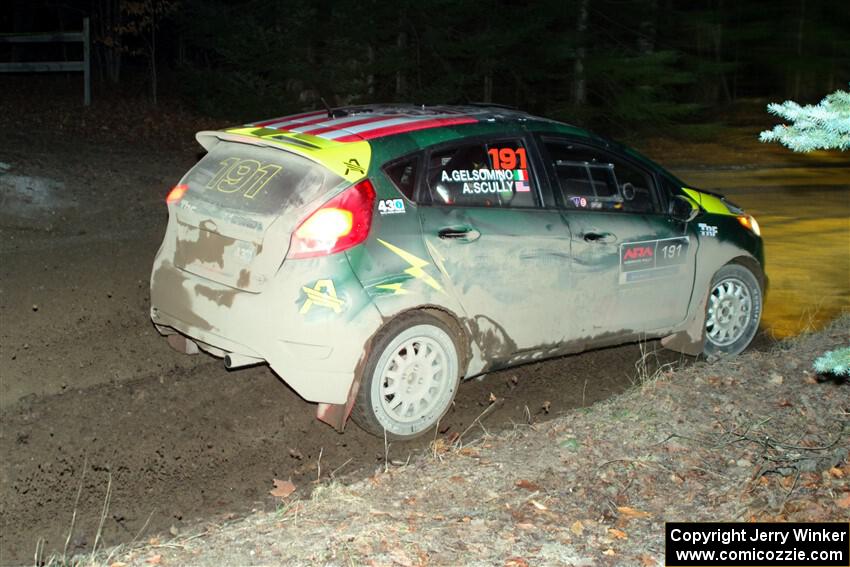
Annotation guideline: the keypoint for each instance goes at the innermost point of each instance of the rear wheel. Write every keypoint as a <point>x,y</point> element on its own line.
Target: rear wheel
<point>410,378</point>
<point>733,311</point>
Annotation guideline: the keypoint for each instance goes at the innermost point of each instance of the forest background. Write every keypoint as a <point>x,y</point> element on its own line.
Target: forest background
<point>613,65</point>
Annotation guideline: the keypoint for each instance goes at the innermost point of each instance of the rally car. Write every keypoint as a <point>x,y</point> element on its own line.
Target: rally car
<point>375,256</point>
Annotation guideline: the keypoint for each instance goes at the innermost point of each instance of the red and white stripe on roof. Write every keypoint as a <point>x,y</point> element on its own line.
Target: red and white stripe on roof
<point>363,125</point>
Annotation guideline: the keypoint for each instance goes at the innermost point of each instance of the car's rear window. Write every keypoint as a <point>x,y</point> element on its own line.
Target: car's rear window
<point>257,179</point>
<point>403,174</point>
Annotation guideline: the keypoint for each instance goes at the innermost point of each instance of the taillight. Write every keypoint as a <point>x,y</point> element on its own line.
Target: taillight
<point>176,194</point>
<point>339,224</point>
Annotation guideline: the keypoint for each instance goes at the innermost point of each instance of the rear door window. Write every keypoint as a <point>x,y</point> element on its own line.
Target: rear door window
<point>404,174</point>
<point>593,179</point>
<point>480,174</point>
<point>257,179</point>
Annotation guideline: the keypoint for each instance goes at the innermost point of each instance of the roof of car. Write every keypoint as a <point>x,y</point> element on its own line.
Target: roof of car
<point>367,122</point>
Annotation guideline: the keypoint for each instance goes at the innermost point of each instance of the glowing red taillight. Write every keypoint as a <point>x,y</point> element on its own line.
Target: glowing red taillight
<point>176,194</point>
<point>339,224</point>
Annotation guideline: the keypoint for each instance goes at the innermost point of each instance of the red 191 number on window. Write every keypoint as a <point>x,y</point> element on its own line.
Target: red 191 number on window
<point>508,158</point>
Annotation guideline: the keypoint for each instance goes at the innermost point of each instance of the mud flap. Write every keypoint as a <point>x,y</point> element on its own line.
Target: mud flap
<point>336,415</point>
<point>690,340</point>
<point>182,344</point>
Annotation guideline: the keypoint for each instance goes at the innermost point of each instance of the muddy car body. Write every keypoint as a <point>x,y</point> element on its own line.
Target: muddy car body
<point>375,256</point>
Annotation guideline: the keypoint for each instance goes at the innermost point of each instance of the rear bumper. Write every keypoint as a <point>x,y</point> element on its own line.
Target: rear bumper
<point>315,350</point>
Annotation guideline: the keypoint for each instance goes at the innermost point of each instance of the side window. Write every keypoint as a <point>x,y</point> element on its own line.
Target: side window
<point>669,188</point>
<point>596,180</point>
<point>482,175</point>
<point>403,174</point>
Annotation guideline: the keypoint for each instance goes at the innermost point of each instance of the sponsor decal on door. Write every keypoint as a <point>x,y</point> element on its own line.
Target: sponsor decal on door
<point>652,259</point>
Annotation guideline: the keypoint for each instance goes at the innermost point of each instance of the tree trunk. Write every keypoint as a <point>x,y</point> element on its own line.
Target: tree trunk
<point>648,29</point>
<point>153,58</point>
<point>723,91</point>
<point>579,79</point>
<point>370,76</point>
<point>488,86</point>
<point>400,77</point>
<point>798,67</point>
<point>108,23</point>
<point>737,58</point>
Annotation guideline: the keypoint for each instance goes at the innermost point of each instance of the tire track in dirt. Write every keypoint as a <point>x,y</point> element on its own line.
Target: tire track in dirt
<point>185,444</point>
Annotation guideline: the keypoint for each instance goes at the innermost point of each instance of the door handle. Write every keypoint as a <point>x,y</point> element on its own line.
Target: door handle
<point>462,234</point>
<point>601,237</point>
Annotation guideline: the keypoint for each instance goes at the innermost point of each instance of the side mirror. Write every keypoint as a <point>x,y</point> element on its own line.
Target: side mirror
<point>682,209</point>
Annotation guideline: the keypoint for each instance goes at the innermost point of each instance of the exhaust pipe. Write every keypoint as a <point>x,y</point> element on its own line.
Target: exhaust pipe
<point>233,360</point>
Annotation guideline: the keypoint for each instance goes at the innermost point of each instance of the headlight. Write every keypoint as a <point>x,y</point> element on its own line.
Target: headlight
<point>749,222</point>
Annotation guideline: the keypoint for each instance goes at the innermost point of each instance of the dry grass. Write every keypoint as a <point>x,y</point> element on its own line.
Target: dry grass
<point>592,486</point>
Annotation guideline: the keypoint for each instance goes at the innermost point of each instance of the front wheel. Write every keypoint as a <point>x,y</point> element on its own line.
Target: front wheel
<point>410,378</point>
<point>733,311</point>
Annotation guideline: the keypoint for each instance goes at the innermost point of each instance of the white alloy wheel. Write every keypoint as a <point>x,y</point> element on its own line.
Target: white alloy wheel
<point>729,308</point>
<point>411,379</point>
<point>733,312</point>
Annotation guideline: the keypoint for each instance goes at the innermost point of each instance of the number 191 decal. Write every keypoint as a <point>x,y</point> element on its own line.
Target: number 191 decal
<point>391,206</point>
<point>246,175</point>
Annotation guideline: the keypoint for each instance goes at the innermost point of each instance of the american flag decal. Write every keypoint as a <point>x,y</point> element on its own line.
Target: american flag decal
<point>362,124</point>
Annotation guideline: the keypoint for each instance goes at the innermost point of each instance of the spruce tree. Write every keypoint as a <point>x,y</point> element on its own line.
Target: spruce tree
<point>823,126</point>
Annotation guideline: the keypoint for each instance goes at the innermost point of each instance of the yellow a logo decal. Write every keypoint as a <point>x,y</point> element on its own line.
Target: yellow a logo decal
<point>322,294</point>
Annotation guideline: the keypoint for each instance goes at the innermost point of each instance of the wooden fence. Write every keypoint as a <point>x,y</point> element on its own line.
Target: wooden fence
<point>53,66</point>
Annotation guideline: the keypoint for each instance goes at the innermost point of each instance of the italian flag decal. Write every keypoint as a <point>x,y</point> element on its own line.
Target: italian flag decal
<point>521,181</point>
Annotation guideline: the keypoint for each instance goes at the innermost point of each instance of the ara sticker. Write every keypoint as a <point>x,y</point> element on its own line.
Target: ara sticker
<point>652,259</point>
<point>323,294</point>
<point>391,206</point>
<point>579,202</point>
<point>707,229</point>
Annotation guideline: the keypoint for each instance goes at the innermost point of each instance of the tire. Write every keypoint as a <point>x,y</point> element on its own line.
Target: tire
<point>404,396</point>
<point>732,313</point>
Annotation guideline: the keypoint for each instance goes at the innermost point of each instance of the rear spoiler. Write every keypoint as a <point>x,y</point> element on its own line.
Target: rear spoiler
<point>349,160</point>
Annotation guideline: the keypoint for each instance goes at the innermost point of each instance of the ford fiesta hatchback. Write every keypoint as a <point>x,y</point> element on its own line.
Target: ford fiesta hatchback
<point>374,256</point>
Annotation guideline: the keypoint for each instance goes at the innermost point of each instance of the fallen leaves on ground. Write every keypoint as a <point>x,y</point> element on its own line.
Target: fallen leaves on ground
<point>282,489</point>
<point>527,485</point>
<point>577,490</point>
<point>630,512</point>
<point>577,527</point>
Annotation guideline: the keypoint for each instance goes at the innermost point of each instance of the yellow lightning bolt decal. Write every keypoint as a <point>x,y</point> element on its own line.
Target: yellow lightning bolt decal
<point>395,287</point>
<point>416,265</point>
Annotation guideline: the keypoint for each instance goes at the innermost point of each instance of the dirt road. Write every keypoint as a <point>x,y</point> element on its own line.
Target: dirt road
<point>91,394</point>
<point>804,212</point>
